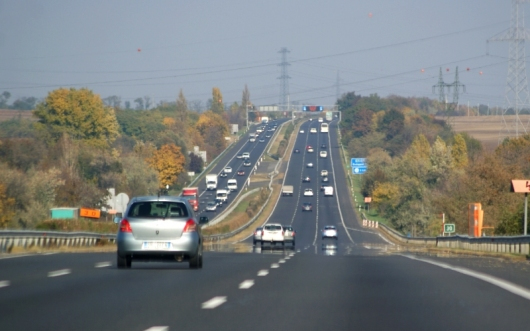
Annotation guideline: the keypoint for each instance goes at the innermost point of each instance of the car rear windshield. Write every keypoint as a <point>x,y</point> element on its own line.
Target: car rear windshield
<point>158,209</point>
<point>273,228</point>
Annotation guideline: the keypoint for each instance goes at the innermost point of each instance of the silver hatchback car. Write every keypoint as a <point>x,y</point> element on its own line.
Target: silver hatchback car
<point>159,229</point>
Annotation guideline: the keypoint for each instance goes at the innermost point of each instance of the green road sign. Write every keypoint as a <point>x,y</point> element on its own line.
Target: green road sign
<point>449,228</point>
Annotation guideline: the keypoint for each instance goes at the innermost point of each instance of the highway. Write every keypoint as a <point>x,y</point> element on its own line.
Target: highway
<point>358,282</point>
<point>255,149</point>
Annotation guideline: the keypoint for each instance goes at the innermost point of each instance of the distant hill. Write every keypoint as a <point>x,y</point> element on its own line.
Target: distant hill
<point>7,114</point>
<point>490,130</point>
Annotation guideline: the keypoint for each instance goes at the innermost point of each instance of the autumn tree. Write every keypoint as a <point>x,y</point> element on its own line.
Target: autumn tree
<point>7,205</point>
<point>79,113</point>
<point>362,122</point>
<point>217,101</point>
<point>168,161</point>
<point>213,129</point>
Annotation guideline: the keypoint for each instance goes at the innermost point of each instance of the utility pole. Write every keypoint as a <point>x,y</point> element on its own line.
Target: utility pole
<point>284,78</point>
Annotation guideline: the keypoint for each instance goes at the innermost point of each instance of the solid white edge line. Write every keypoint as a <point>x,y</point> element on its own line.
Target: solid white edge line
<point>58,273</point>
<point>102,264</point>
<point>213,303</point>
<point>246,284</point>
<point>4,283</point>
<point>504,284</point>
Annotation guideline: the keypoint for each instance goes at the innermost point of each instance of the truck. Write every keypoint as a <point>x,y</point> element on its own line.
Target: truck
<point>328,191</point>
<point>265,119</point>
<point>192,194</point>
<point>221,196</point>
<point>211,182</point>
<point>287,190</point>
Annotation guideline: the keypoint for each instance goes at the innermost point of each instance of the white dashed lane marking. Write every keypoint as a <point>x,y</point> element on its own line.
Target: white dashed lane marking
<point>58,273</point>
<point>275,265</point>
<point>103,264</point>
<point>4,283</point>
<point>246,284</point>
<point>263,272</point>
<point>158,328</point>
<point>281,261</point>
<point>213,303</point>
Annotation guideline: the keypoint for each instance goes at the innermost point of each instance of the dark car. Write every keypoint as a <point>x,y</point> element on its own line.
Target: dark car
<point>325,179</point>
<point>141,238</point>
<point>307,206</point>
<point>239,156</point>
<point>247,164</point>
<point>306,179</point>
<point>296,150</point>
<point>323,146</point>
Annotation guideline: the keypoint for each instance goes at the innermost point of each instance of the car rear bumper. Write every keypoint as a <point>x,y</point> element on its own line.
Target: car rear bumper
<point>183,248</point>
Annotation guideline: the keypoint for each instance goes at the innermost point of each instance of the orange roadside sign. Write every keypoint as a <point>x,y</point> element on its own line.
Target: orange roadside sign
<point>90,213</point>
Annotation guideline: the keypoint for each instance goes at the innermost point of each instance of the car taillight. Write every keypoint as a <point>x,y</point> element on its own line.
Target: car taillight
<point>125,226</point>
<point>262,232</point>
<point>190,226</point>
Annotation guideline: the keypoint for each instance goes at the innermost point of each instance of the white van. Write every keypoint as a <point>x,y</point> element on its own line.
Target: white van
<point>328,191</point>
<point>232,184</point>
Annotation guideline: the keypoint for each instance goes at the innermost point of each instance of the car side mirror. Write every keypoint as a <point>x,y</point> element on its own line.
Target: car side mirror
<point>117,220</point>
<point>203,220</point>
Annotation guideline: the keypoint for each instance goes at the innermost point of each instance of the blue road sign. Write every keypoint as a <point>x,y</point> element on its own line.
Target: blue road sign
<point>358,170</point>
<point>358,166</point>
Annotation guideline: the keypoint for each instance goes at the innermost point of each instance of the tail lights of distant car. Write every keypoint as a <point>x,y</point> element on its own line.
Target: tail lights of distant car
<point>190,226</point>
<point>125,226</point>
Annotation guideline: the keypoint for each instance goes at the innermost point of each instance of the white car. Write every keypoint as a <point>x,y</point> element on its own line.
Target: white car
<point>323,154</point>
<point>313,130</point>
<point>302,131</point>
<point>329,231</point>
<point>246,155</point>
<point>272,233</point>
<point>310,165</point>
<point>323,173</point>
<point>308,192</point>
<point>320,120</point>
<point>227,170</point>
<point>211,206</point>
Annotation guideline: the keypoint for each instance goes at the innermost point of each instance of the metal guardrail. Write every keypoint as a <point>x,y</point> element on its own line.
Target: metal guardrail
<point>28,239</point>
<point>513,244</point>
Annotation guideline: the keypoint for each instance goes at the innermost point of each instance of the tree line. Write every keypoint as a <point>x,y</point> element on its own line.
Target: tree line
<point>79,145</point>
<point>419,168</point>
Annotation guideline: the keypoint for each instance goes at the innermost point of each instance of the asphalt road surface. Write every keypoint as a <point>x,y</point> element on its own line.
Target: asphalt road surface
<point>357,282</point>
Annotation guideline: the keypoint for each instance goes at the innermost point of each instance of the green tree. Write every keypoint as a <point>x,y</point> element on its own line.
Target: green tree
<point>79,113</point>
<point>217,101</point>
<point>4,97</point>
<point>182,109</point>
<point>24,103</point>
<point>459,152</point>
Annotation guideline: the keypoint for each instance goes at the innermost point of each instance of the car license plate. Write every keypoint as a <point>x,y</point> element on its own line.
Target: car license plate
<point>156,245</point>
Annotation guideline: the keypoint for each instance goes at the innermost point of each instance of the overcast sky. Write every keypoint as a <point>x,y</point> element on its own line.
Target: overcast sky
<point>156,48</point>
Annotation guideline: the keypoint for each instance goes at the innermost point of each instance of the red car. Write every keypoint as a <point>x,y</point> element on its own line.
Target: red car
<point>241,173</point>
